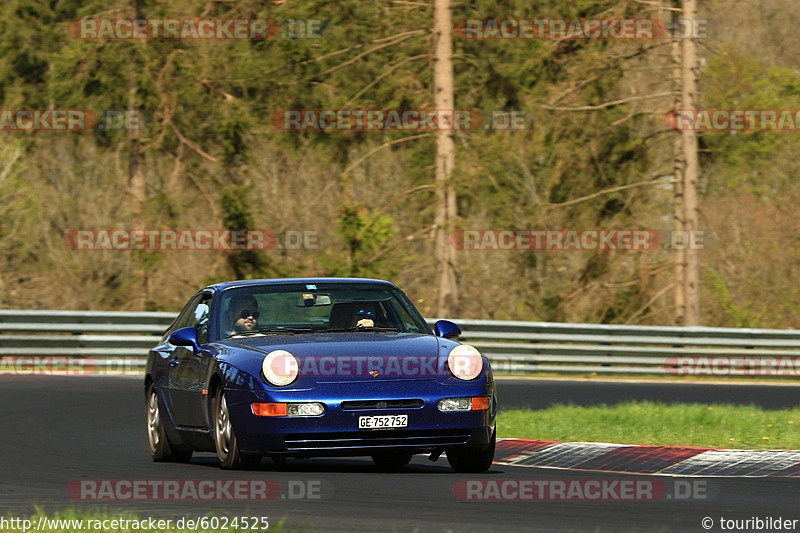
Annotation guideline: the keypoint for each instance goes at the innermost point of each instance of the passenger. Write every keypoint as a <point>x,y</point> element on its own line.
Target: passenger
<point>349,315</point>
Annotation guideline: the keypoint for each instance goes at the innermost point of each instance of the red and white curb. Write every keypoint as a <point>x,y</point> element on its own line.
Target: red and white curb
<point>658,460</point>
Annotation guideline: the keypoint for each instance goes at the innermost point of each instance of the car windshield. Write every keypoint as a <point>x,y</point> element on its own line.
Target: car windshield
<point>316,307</point>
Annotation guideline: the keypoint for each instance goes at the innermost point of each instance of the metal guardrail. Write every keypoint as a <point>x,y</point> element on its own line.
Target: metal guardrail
<point>76,340</point>
<point>624,349</point>
<point>115,339</point>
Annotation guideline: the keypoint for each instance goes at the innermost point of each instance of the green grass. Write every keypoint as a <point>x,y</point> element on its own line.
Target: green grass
<point>648,423</point>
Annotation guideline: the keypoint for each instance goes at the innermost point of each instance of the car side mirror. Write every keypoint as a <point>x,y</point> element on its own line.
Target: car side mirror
<point>446,329</point>
<point>186,337</point>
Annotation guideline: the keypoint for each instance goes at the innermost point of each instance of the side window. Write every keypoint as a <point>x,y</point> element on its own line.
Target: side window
<point>186,318</point>
<point>200,318</point>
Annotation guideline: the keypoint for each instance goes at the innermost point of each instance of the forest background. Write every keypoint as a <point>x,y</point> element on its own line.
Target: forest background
<point>210,157</point>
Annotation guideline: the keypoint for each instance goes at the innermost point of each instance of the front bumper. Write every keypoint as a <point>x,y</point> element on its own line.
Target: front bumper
<point>336,432</point>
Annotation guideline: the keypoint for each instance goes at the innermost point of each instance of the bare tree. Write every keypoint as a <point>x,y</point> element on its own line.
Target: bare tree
<point>678,166</point>
<point>136,172</point>
<point>446,209</point>
<point>136,163</point>
<point>691,169</point>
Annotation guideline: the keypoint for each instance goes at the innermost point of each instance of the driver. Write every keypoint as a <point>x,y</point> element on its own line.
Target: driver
<point>243,314</point>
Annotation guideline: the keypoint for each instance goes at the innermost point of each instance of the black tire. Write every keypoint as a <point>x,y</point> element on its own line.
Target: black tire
<point>472,459</point>
<point>230,456</point>
<point>390,461</point>
<point>161,449</point>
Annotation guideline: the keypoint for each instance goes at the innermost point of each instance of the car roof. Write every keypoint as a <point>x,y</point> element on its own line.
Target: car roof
<point>280,281</point>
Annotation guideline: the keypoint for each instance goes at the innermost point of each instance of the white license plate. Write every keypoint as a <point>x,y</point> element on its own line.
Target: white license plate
<point>383,422</point>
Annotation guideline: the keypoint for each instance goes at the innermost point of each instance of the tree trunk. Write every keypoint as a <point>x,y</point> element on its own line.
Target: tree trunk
<point>446,209</point>
<point>691,171</point>
<point>678,166</point>
<point>136,165</point>
<point>136,175</point>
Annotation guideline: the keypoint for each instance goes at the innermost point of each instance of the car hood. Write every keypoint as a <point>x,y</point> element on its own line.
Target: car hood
<point>347,356</point>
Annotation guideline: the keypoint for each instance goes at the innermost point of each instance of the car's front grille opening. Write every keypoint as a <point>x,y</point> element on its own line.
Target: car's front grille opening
<point>360,405</point>
<point>377,439</point>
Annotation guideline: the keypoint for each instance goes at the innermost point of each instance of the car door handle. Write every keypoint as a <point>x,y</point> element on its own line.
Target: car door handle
<point>174,362</point>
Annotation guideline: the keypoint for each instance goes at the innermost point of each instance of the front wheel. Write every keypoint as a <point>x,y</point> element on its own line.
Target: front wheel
<point>230,457</point>
<point>161,449</point>
<point>472,459</point>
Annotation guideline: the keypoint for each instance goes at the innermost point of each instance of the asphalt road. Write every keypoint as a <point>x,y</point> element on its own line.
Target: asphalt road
<point>61,429</point>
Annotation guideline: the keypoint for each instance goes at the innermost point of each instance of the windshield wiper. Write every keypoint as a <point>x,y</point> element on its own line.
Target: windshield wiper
<point>273,331</point>
<point>361,328</point>
<point>289,329</point>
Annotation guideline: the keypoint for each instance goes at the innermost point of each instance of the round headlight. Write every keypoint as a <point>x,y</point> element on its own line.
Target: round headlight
<point>465,362</point>
<point>280,367</point>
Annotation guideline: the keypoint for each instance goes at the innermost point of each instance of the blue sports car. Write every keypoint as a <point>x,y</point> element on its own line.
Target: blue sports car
<point>301,368</point>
